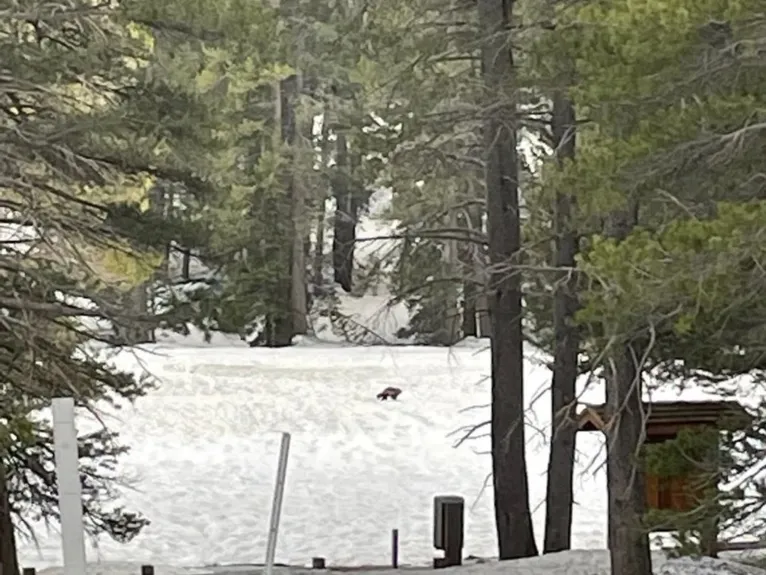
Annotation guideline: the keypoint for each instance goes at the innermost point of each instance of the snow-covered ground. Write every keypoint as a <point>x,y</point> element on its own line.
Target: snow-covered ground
<point>581,562</point>
<point>205,444</point>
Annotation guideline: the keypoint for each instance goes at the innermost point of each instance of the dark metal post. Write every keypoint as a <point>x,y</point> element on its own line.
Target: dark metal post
<point>448,529</point>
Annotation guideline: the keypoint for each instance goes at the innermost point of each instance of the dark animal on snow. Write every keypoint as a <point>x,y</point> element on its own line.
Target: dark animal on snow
<point>389,392</point>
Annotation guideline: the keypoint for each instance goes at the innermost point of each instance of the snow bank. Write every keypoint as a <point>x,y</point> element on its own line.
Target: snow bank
<point>127,568</point>
<point>579,562</point>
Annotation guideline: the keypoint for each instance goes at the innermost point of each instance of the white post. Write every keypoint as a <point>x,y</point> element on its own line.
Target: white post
<point>70,493</point>
<point>276,506</point>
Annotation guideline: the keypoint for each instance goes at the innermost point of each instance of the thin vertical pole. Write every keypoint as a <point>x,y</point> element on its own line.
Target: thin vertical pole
<point>69,489</point>
<point>276,506</point>
<point>395,548</point>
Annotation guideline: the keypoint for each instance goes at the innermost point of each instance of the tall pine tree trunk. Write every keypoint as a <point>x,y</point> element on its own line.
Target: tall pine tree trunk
<point>298,300</point>
<point>168,209</point>
<point>469,308</point>
<point>476,312</point>
<point>449,330</point>
<point>482,304</point>
<point>476,222</point>
<point>318,263</point>
<point>186,264</point>
<point>9,564</point>
<point>481,272</point>
<point>286,250</point>
<point>344,225</point>
<point>628,542</point>
<point>559,491</point>
<point>467,255</point>
<point>280,329</point>
<point>482,309</point>
<point>512,513</point>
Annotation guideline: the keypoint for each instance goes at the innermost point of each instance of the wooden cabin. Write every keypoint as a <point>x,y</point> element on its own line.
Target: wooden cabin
<point>664,421</point>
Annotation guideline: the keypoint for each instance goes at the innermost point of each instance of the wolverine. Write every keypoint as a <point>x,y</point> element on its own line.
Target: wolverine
<point>389,392</point>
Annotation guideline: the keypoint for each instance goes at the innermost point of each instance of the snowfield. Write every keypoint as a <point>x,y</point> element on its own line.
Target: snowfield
<point>205,444</point>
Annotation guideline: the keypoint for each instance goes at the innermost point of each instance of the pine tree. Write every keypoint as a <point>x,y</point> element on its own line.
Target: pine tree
<point>653,171</point>
<point>512,513</point>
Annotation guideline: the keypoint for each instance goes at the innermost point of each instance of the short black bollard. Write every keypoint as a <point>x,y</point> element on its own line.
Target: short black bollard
<point>448,529</point>
<point>395,548</point>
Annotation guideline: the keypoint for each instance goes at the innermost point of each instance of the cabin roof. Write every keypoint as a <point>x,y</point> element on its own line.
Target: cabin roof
<point>729,414</point>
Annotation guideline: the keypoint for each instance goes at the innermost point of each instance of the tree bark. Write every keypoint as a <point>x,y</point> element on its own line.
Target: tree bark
<point>467,251</point>
<point>168,213</point>
<point>512,513</point>
<point>482,308</point>
<point>186,264</point>
<point>451,317</point>
<point>469,309</point>
<point>9,564</point>
<point>629,549</point>
<point>628,540</point>
<point>319,246</point>
<point>481,271</point>
<point>298,300</point>
<point>344,225</point>
<point>559,491</point>
<point>280,328</point>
